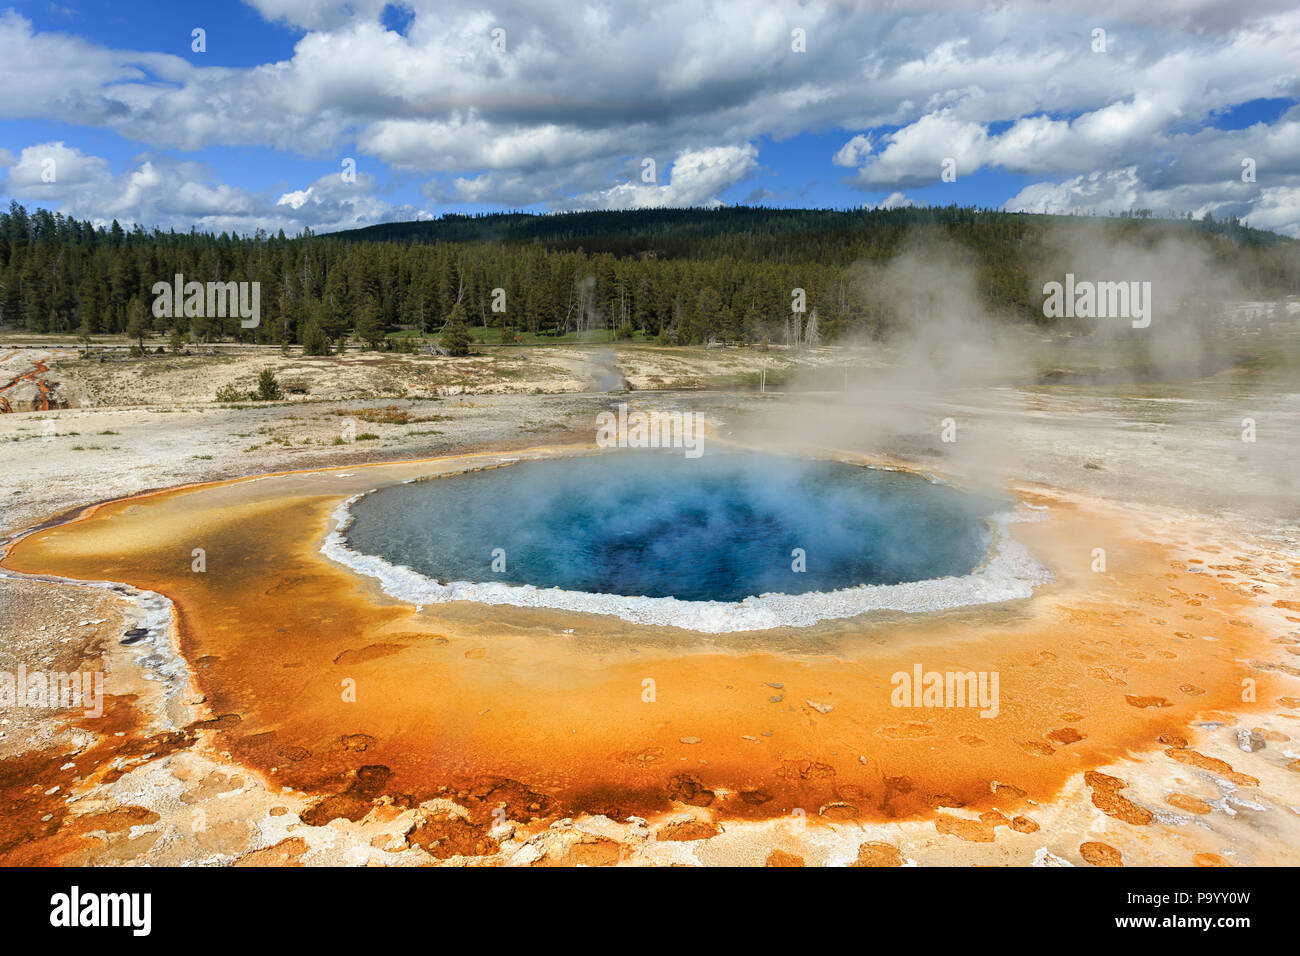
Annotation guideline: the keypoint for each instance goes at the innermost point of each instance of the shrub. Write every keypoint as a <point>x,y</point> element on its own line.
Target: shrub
<point>455,339</point>
<point>228,393</point>
<point>314,339</point>
<point>268,388</point>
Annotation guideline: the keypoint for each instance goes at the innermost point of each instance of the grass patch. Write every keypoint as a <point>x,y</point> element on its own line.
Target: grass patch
<point>388,415</point>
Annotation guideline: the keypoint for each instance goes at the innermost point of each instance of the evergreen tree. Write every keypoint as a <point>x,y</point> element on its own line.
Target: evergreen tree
<point>314,339</point>
<point>268,388</point>
<point>455,336</point>
<point>687,275</point>
<point>137,322</point>
<point>370,324</point>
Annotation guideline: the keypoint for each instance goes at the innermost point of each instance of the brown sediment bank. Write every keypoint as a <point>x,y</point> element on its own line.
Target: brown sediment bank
<point>324,684</point>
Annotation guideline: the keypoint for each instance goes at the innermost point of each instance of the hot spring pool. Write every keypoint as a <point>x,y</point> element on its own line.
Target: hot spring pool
<point>656,536</point>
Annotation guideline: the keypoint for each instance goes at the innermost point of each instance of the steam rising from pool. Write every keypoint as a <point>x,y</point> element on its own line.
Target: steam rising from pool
<point>724,543</point>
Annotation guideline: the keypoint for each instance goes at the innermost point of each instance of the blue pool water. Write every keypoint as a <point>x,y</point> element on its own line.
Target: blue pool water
<point>656,524</point>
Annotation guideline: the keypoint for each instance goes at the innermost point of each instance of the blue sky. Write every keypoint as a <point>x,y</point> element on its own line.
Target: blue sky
<point>543,105</point>
<point>238,35</point>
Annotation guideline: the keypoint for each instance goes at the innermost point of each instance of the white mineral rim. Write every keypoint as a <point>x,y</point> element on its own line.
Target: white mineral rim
<point>1008,573</point>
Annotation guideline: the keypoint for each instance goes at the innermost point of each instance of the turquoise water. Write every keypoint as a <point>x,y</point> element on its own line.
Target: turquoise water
<point>656,524</point>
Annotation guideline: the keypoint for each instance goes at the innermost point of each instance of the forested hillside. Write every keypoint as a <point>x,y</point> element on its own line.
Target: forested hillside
<point>681,275</point>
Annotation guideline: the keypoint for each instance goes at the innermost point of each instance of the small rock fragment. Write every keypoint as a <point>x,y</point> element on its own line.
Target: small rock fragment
<point>1249,740</point>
